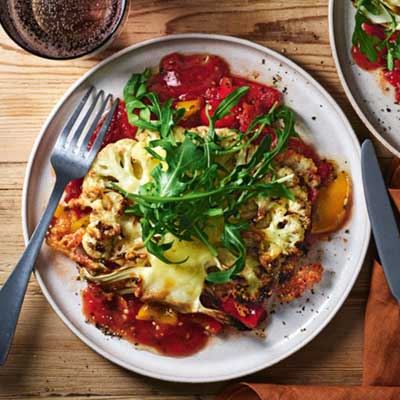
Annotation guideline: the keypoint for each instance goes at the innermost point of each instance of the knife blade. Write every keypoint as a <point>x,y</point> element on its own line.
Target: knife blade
<point>383,222</point>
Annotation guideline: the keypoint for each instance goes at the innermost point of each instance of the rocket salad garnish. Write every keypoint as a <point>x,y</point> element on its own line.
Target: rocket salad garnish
<point>190,186</point>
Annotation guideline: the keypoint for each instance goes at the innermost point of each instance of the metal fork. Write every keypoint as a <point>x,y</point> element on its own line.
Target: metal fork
<point>71,159</point>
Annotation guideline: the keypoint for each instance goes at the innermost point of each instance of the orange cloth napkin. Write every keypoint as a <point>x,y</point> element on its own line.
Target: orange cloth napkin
<point>381,347</point>
<point>260,391</point>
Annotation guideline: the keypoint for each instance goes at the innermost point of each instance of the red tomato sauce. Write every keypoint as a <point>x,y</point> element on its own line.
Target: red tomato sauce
<point>187,77</point>
<point>363,62</point>
<point>392,77</point>
<point>116,315</point>
<point>208,78</point>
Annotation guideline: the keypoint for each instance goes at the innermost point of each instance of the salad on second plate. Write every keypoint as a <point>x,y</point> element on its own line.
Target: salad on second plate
<point>376,39</point>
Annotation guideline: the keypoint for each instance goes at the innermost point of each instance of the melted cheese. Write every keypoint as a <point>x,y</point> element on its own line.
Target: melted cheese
<point>179,285</point>
<point>249,274</point>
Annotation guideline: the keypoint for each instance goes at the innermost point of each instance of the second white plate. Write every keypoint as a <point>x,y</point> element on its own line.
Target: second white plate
<point>374,105</point>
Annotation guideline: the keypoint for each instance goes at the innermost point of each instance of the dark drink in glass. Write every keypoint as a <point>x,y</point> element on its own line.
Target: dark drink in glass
<point>62,29</point>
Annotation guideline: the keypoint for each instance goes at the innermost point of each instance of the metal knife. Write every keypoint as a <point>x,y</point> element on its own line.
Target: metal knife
<point>384,226</point>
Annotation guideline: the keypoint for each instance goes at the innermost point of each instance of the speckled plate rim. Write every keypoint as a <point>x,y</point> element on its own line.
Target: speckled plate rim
<point>172,377</point>
<point>346,87</point>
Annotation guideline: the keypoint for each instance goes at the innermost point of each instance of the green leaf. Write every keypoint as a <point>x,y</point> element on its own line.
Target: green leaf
<point>366,43</point>
<point>191,187</point>
<point>376,11</point>
<point>390,60</point>
<point>184,157</point>
<point>145,114</point>
<point>202,236</point>
<point>393,52</point>
<point>214,212</point>
<point>222,110</point>
<point>134,104</point>
<point>144,124</point>
<point>154,154</point>
<point>230,101</point>
<point>372,6</point>
<point>130,88</point>
<point>157,249</point>
<point>144,108</point>
<point>155,105</point>
<point>136,82</point>
<point>396,48</point>
<point>232,240</point>
<point>266,188</point>
<point>141,91</point>
<point>166,118</point>
<point>220,276</point>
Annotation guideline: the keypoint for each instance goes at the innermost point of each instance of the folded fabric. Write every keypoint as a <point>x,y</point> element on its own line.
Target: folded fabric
<point>382,326</point>
<point>381,334</point>
<point>381,365</point>
<point>244,391</point>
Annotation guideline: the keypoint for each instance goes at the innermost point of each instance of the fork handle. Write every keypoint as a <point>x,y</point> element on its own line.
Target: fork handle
<point>13,291</point>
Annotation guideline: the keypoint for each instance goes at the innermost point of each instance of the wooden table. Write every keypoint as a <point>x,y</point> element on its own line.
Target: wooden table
<point>47,360</point>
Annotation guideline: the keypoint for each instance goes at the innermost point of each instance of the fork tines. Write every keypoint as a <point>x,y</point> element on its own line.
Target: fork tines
<point>75,136</point>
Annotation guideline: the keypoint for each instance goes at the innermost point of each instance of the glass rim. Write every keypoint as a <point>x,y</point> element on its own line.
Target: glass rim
<point>98,47</point>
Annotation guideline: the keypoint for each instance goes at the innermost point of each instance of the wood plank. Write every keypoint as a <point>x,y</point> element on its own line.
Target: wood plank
<point>47,360</point>
<point>295,30</point>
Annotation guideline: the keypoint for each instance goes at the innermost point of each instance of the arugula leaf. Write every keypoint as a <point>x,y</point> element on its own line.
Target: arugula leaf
<point>273,189</point>
<point>186,158</point>
<point>133,93</point>
<point>189,187</point>
<point>372,6</point>
<point>224,108</point>
<point>393,48</point>
<point>233,241</point>
<point>157,249</point>
<point>379,13</point>
<point>366,43</point>
<point>390,60</point>
<point>144,109</point>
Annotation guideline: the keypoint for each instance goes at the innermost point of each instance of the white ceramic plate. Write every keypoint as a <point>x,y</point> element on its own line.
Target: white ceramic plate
<point>324,125</point>
<point>371,98</point>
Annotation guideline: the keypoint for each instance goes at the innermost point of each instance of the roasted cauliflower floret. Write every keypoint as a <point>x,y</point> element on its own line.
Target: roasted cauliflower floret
<point>283,232</point>
<point>110,233</point>
<point>125,163</point>
<point>302,166</point>
<point>283,222</point>
<point>288,222</point>
<point>104,227</point>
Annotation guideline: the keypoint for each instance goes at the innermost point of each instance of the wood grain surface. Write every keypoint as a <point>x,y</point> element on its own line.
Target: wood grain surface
<point>47,360</point>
